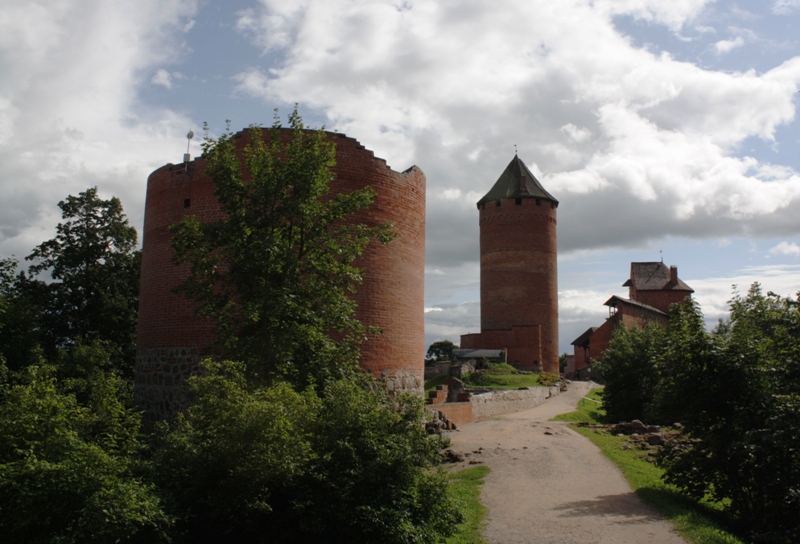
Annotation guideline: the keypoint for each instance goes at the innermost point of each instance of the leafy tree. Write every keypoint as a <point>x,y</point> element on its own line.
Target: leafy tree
<point>277,273</point>
<point>69,468</point>
<point>441,350</point>
<point>95,271</point>
<point>737,392</point>
<point>628,370</point>
<point>269,464</point>
<point>19,318</point>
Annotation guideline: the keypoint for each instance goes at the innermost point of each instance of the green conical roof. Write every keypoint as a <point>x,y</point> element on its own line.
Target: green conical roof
<point>517,182</point>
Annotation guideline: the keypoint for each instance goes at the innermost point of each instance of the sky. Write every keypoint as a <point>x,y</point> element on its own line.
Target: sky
<point>667,130</point>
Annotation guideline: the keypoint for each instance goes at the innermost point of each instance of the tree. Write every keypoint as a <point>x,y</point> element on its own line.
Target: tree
<point>19,318</point>
<point>276,274</point>
<point>628,370</point>
<point>95,271</point>
<point>441,350</point>
<point>737,392</point>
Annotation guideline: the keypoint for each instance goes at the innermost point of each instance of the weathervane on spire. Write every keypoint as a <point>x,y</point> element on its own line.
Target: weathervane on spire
<point>515,149</point>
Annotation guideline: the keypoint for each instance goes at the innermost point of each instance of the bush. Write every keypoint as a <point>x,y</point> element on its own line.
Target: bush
<point>273,465</point>
<point>548,379</point>
<point>69,470</point>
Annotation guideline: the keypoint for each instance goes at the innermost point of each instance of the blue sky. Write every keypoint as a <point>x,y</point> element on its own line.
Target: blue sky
<point>664,128</point>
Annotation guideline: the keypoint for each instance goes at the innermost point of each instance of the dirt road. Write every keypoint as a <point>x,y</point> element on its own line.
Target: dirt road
<point>550,485</point>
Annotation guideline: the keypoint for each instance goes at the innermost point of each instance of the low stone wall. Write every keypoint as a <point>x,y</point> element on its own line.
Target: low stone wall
<point>504,402</point>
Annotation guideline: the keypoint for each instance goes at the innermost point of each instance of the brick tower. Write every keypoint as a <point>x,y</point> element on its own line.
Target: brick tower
<point>171,339</point>
<point>519,279</point>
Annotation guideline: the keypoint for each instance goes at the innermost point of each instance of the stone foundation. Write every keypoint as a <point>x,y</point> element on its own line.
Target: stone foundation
<point>403,381</point>
<point>160,387</point>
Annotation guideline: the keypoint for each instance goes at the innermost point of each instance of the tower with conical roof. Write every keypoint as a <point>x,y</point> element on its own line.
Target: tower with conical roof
<point>519,274</point>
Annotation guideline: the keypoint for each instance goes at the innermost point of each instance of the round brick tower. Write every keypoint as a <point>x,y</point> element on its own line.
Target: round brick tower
<point>171,339</point>
<point>519,278</point>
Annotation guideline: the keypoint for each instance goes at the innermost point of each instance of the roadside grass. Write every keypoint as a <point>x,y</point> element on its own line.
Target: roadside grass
<point>465,485</point>
<point>589,409</point>
<point>700,523</point>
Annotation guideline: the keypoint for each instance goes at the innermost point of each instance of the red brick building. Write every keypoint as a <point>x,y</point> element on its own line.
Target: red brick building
<point>171,338</point>
<point>519,277</point>
<point>652,289</point>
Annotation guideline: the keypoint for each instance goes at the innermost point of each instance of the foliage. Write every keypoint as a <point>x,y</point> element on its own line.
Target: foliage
<point>19,318</point>
<point>441,350</point>
<point>95,271</point>
<point>737,392</point>
<point>563,361</point>
<point>628,370</point>
<point>277,273</point>
<point>69,468</point>
<point>548,379</point>
<point>337,466</point>
<point>465,487</point>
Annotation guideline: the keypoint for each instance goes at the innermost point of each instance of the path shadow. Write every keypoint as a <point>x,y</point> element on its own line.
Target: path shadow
<point>626,506</point>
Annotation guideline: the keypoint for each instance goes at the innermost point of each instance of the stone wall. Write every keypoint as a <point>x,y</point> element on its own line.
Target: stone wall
<point>161,374</point>
<point>503,402</point>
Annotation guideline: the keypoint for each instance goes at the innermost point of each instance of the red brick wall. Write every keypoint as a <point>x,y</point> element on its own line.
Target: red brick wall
<point>519,277</point>
<point>660,299</point>
<point>391,296</point>
<point>459,413</point>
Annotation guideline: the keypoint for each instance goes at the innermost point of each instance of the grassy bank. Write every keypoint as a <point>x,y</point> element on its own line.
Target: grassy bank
<point>498,376</point>
<point>466,488</point>
<point>698,523</point>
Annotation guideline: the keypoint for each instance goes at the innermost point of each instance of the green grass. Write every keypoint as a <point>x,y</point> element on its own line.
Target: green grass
<point>465,485</point>
<point>498,376</point>
<point>698,523</point>
<point>505,381</point>
<point>590,409</point>
<point>430,384</point>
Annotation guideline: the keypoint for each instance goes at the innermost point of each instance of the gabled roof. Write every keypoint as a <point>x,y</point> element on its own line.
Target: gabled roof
<point>619,301</point>
<point>582,339</point>
<point>654,277</point>
<point>517,182</point>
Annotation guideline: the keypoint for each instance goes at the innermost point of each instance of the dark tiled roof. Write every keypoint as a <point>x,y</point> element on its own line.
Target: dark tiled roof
<point>616,301</point>
<point>509,184</point>
<point>653,277</point>
<point>579,341</point>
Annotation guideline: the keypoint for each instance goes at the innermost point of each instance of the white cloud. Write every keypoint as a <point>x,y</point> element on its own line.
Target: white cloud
<point>726,46</point>
<point>785,248</point>
<point>610,126</point>
<point>783,7</point>
<point>165,78</point>
<point>69,115</point>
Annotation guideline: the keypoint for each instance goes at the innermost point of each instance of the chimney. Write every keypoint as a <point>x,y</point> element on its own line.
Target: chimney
<point>673,275</point>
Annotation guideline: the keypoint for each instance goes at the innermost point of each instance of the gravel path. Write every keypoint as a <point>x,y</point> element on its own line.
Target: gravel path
<point>550,485</point>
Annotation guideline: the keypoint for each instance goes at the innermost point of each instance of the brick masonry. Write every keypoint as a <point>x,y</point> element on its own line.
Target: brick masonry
<point>391,296</point>
<point>519,282</point>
